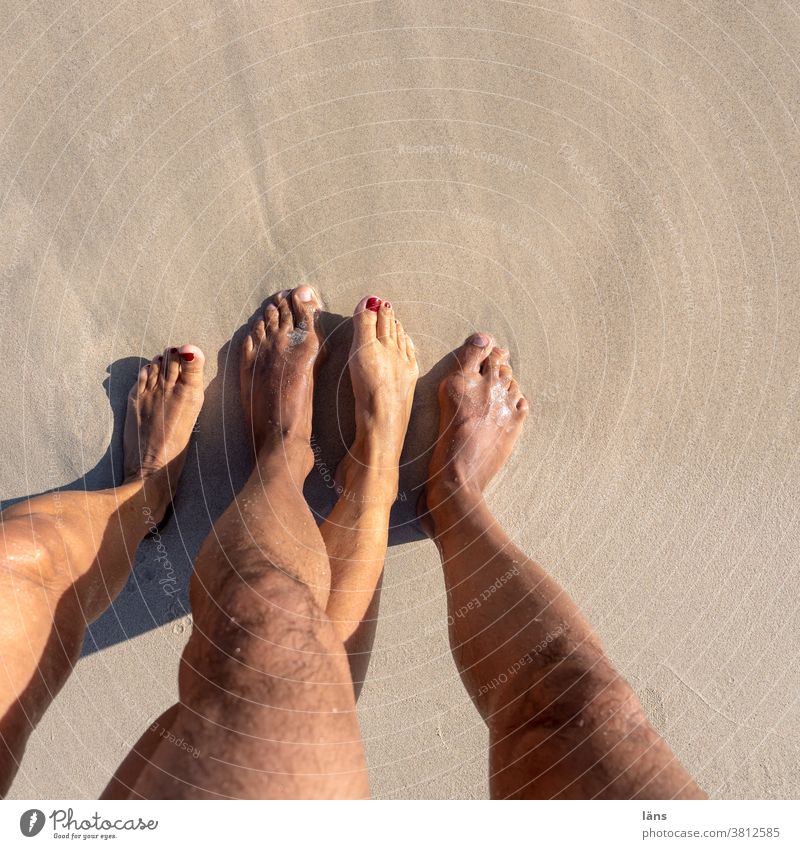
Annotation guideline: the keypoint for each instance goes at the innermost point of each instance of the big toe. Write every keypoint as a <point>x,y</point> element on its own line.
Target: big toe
<point>474,351</point>
<point>192,362</point>
<point>365,320</point>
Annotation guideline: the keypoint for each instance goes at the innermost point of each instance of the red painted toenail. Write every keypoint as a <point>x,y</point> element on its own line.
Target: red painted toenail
<point>387,305</point>
<point>374,304</point>
<point>173,350</point>
<point>188,357</point>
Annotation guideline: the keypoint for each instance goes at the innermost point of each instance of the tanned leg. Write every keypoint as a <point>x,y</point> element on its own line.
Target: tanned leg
<point>65,556</point>
<point>266,701</point>
<point>562,722</point>
<point>384,372</point>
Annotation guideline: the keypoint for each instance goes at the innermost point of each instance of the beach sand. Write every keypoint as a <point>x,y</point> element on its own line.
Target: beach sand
<point>610,189</point>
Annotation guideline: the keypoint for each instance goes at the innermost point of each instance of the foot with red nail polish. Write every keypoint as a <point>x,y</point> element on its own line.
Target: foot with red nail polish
<point>163,407</point>
<point>384,371</point>
<point>279,359</point>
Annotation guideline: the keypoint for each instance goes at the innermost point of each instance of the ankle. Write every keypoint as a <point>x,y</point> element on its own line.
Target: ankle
<point>286,447</point>
<point>368,477</point>
<point>452,494</point>
<point>374,453</point>
<point>372,463</point>
<point>447,505</point>
<point>155,489</point>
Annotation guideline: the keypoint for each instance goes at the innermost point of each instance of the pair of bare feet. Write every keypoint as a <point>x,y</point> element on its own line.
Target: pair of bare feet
<point>482,406</point>
<point>270,535</point>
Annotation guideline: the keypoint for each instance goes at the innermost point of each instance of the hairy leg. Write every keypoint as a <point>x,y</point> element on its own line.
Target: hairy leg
<point>65,556</point>
<point>266,702</point>
<point>384,372</point>
<point>562,722</point>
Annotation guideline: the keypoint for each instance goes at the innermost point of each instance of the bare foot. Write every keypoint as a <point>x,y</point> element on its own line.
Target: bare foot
<point>277,374</point>
<point>163,406</point>
<point>481,418</point>
<point>384,372</point>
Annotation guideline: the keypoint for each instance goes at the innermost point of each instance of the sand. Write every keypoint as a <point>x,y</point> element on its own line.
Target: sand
<point>609,188</point>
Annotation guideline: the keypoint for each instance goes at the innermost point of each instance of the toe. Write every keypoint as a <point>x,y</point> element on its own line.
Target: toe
<point>365,320</point>
<point>170,366</point>
<point>141,382</point>
<point>400,336</point>
<point>517,399</point>
<point>192,361</point>
<point>271,322</point>
<point>248,348</point>
<point>385,326</point>
<point>474,351</point>
<point>153,370</point>
<point>255,338</point>
<point>305,306</point>
<point>281,301</point>
<point>276,297</point>
<point>505,373</point>
<point>258,331</point>
<point>496,359</point>
<point>411,351</point>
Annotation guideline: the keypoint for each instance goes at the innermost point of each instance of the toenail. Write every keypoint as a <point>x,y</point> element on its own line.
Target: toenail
<point>305,294</point>
<point>479,339</point>
<point>373,303</point>
<point>173,350</point>
<point>387,305</point>
<point>188,356</point>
